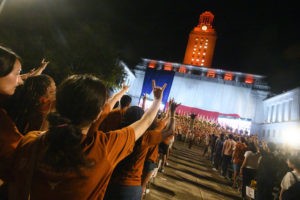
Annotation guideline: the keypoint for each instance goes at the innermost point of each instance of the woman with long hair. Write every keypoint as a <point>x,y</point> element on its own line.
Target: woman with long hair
<point>10,67</point>
<point>31,103</point>
<point>69,161</point>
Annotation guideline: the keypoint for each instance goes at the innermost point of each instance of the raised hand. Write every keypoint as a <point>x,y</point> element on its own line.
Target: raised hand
<point>44,64</point>
<point>125,87</point>
<point>173,106</point>
<point>158,91</point>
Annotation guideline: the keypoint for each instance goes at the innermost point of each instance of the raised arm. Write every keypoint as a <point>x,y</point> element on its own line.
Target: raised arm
<point>36,72</point>
<point>144,101</point>
<point>117,96</point>
<point>142,125</point>
<point>170,128</point>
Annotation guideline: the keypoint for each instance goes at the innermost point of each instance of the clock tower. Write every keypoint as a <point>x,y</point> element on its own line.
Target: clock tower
<point>202,41</point>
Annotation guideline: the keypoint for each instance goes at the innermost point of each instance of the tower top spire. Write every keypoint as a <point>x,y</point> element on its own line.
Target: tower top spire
<point>206,18</point>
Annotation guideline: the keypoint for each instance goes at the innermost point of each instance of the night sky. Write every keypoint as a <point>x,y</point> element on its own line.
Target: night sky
<point>253,37</point>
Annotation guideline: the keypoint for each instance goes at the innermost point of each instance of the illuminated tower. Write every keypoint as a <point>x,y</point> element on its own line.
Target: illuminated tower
<point>202,41</point>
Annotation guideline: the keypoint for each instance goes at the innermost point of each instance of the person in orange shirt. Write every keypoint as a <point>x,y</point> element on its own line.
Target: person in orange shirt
<point>151,157</point>
<point>10,67</point>
<point>71,160</point>
<point>126,179</point>
<point>114,118</point>
<point>31,103</point>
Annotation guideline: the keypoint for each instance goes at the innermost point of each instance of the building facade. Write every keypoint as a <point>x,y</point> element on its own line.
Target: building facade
<point>281,116</point>
<point>195,88</point>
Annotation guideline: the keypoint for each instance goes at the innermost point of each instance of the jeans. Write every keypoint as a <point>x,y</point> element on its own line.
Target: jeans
<point>226,162</point>
<point>123,192</point>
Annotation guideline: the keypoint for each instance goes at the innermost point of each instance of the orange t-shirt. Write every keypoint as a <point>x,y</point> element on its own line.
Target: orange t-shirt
<point>129,171</point>
<point>167,140</point>
<point>36,119</point>
<point>112,121</point>
<point>9,140</point>
<point>106,150</point>
<point>95,126</point>
<point>152,154</point>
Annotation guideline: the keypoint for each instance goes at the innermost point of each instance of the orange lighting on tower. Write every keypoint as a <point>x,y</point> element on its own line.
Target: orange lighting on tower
<point>201,43</point>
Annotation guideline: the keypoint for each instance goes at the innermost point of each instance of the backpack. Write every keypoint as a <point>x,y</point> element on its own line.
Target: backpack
<point>293,193</point>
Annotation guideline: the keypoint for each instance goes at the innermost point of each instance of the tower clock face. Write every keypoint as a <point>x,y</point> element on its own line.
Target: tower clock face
<point>204,28</point>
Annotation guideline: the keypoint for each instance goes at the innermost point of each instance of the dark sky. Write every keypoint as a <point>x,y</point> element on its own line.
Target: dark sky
<point>260,37</point>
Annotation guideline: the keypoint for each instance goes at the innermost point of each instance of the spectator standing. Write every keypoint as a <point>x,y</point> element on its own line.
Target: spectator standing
<point>249,167</point>
<point>238,158</point>
<point>227,151</point>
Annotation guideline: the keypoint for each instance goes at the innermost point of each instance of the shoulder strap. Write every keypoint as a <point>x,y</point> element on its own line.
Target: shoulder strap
<point>295,177</point>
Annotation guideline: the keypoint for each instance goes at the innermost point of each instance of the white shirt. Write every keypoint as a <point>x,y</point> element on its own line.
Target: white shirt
<point>288,180</point>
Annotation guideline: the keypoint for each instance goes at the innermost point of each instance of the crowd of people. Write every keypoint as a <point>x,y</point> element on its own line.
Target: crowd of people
<point>75,142</point>
<point>244,159</point>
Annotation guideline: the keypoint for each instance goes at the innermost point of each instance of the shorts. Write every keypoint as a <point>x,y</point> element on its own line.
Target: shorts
<point>163,148</point>
<point>236,167</point>
<point>149,166</point>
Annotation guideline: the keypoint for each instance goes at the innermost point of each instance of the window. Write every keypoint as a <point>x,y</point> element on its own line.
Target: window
<point>211,74</point>
<point>202,64</point>
<point>228,76</point>
<point>192,59</point>
<point>193,52</point>
<point>152,64</point>
<point>195,49</point>
<point>182,69</point>
<point>249,79</point>
<point>168,67</point>
<point>204,54</point>
<point>196,39</point>
<point>205,47</point>
<point>202,60</point>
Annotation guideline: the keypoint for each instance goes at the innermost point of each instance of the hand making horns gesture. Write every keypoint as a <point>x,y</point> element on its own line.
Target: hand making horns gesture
<point>158,91</point>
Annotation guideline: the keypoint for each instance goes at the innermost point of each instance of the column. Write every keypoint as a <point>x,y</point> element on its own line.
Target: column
<point>283,111</point>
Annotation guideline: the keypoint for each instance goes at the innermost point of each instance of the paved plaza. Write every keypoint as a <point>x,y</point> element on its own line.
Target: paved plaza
<point>189,176</point>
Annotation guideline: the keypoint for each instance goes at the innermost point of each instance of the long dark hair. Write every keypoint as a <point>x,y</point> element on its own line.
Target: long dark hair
<point>79,100</point>
<point>7,60</point>
<point>26,100</point>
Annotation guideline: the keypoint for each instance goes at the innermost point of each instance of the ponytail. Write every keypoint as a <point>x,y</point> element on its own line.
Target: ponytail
<point>63,145</point>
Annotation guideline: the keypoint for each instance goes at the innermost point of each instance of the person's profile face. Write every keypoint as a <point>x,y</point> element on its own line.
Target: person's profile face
<point>9,83</point>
